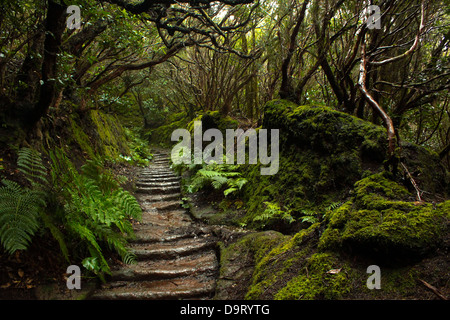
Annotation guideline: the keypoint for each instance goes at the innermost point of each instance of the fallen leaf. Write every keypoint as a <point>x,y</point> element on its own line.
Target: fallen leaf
<point>334,271</point>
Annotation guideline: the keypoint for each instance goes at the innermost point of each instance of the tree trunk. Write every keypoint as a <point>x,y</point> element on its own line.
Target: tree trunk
<point>54,28</point>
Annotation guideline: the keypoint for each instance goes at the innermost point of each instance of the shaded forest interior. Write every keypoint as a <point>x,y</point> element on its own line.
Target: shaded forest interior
<point>361,102</point>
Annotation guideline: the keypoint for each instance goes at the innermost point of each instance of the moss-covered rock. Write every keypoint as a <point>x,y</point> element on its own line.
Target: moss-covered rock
<point>323,152</point>
<point>81,138</point>
<point>281,263</point>
<point>210,119</point>
<point>320,279</point>
<point>162,135</point>
<point>111,140</point>
<point>383,218</point>
<point>98,133</point>
<point>215,120</point>
<point>326,131</point>
<point>237,262</point>
<point>426,168</point>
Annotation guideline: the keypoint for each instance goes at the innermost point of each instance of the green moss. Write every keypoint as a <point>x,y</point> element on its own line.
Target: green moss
<point>316,282</point>
<point>275,264</point>
<point>378,219</point>
<point>238,259</point>
<point>427,169</point>
<point>111,140</point>
<point>81,138</point>
<point>162,135</point>
<point>325,130</point>
<point>222,123</point>
<point>444,207</point>
<point>323,152</point>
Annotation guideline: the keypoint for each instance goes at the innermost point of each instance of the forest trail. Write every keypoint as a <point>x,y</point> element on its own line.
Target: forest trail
<point>176,256</point>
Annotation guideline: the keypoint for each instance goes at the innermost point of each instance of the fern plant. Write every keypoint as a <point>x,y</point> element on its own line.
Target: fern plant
<point>272,213</point>
<point>309,216</point>
<point>217,176</point>
<point>20,207</point>
<point>97,210</point>
<point>19,212</point>
<point>30,164</point>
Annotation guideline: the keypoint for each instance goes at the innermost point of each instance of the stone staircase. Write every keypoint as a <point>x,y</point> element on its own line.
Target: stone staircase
<point>176,256</point>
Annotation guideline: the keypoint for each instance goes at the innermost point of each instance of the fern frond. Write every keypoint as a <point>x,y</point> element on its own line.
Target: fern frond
<point>124,200</point>
<point>130,258</point>
<point>218,181</point>
<point>30,164</point>
<point>94,169</point>
<point>19,211</point>
<point>229,190</point>
<point>208,173</point>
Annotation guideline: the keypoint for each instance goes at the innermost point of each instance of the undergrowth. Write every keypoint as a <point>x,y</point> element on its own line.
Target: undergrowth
<point>223,177</point>
<point>86,211</point>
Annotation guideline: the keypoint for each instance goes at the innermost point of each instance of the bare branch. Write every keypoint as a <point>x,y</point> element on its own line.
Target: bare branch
<point>413,47</point>
<point>373,103</point>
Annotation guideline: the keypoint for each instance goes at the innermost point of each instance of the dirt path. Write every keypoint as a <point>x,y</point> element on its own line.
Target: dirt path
<point>176,256</point>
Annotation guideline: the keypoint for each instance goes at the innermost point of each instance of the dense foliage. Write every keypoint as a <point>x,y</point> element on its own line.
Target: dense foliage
<point>364,112</point>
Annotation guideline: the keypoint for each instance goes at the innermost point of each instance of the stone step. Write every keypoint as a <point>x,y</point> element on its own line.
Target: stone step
<point>172,249</point>
<point>180,288</point>
<point>146,198</point>
<point>157,183</point>
<point>156,178</point>
<point>165,178</point>
<point>152,217</point>
<point>163,205</point>
<point>157,173</point>
<point>156,169</point>
<point>160,161</point>
<point>159,190</point>
<point>204,264</point>
<point>176,257</point>
<point>158,236</point>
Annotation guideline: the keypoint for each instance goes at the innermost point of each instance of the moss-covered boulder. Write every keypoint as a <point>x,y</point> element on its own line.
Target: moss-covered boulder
<point>210,119</point>
<point>322,280</point>
<point>284,261</point>
<point>326,131</point>
<point>98,133</point>
<point>269,265</point>
<point>162,135</point>
<point>382,218</point>
<point>323,152</point>
<point>237,262</point>
<point>427,170</point>
<point>215,120</point>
